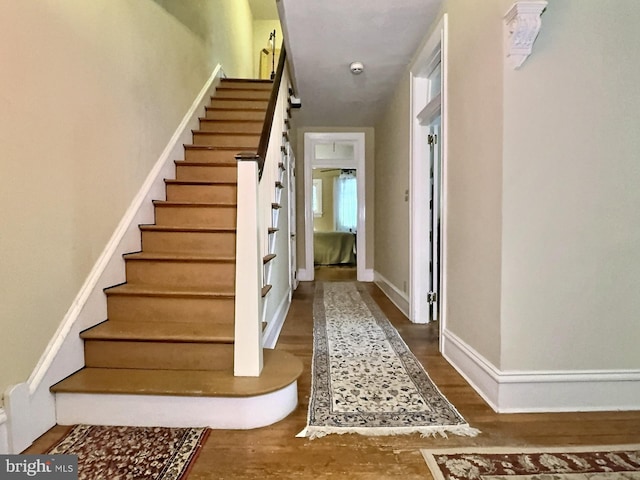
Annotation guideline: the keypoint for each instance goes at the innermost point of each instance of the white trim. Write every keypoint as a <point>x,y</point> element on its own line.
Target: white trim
<point>419,278</point>
<point>4,434</point>
<point>444,162</point>
<point>65,352</point>
<point>305,275</point>
<point>514,391</point>
<point>310,139</point>
<point>522,24</point>
<point>18,409</point>
<point>399,298</point>
<point>177,411</point>
<point>274,326</point>
<point>247,347</point>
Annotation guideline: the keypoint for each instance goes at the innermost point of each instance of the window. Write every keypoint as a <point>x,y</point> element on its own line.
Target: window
<point>317,197</point>
<point>346,202</point>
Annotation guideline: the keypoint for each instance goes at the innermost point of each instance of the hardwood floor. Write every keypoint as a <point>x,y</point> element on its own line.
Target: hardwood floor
<point>274,452</point>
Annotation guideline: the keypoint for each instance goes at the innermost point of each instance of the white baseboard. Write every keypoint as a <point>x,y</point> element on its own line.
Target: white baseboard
<point>172,411</point>
<point>543,391</point>
<point>368,275</point>
<point>305,275</point>
<point>4,434</point>
<point>397,297</point>
<point>65,352</point>
<point>274,325</point>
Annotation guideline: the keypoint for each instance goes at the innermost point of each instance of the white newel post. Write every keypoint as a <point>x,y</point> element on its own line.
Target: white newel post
<point>248,328</point>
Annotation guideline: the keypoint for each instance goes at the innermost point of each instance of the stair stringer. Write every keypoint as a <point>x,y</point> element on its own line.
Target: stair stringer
<point>65,352</point>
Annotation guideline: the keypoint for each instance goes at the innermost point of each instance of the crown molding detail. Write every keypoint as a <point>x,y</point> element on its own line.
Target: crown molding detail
<point>523,24</point>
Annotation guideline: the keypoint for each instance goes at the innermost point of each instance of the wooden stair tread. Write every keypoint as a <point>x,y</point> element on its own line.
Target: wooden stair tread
<point>177,256</point>
<point>237,149</point>
<point>232,121</point>
<point>161,332</point>
<point>193,204</point>
<point>217,164</point>
<point>246,80</point>
<point>169,228</point>
<point>169,181</point>
<point>267,258</point>
<point>225,134</point>
<point>235,109</point>
<point>266,289</point>
<point>280,369</point>
<point>162,291</point>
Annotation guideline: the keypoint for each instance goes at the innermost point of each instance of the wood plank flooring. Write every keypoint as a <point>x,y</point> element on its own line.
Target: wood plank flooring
<point>274,452</point>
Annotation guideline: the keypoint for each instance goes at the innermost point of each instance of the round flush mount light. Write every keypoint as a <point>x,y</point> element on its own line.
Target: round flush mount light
<point>356,68</point>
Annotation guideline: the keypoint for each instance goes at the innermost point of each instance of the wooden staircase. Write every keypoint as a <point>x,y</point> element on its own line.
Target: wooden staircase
<point>169,336</point>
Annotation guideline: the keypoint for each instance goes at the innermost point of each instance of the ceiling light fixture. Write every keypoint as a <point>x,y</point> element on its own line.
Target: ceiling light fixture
<point>356,68</point>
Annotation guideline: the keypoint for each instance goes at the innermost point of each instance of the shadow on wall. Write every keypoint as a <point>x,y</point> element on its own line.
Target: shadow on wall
<point>189,14</point>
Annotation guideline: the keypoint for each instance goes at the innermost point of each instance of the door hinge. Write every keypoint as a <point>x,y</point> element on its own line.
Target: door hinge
<point>432,139</point>
<point>432,297</point>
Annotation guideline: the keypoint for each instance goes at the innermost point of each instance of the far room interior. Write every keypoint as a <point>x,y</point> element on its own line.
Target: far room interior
<point>334,205</point>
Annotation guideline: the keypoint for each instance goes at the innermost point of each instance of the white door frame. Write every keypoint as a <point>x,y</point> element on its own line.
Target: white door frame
<point>310,140</point>
<point>433,50</point>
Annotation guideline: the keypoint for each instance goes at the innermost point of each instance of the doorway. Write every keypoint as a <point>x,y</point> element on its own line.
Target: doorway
<point>428,180</point>
<point>334,171</point>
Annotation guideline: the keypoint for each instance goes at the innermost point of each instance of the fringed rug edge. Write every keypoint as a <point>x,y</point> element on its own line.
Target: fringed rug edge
<point>313,432</point>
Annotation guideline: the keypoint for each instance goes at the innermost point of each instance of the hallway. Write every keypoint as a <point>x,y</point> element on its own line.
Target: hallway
<point>274,452</point>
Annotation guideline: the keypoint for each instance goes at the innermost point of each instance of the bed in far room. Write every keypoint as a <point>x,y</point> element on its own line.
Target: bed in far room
<point>334,248</point>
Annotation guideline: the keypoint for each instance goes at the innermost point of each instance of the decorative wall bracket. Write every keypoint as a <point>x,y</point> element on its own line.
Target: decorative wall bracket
<point>522,23</point>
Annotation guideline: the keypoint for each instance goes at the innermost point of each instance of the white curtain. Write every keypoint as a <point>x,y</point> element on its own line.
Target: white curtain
<point>346,202</point>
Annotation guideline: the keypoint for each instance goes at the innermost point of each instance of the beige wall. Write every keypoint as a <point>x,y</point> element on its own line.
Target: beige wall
<point>261,31</point>
<point>298,141</point>
<point>474,177</point>
<point>571,235</point>
<point>392,185</point>
<point>90,97</point>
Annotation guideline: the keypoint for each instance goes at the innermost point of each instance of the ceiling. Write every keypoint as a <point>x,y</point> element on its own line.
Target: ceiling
<point>324,37</point>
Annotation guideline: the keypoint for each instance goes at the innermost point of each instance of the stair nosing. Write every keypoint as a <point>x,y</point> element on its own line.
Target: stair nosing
<point>158,291</point>
<point>241,134</point>
<point>194,229</point>
<point>171,181</point>
<point>117,332</point>
<point>177,257</point>
<point>218,163</point>
<point>193,146</point>
<point>194,204</point>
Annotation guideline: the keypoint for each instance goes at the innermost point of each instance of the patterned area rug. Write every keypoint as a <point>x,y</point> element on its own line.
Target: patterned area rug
<point>569,463</point>
<point>364,377</point>
<point>118,453</point>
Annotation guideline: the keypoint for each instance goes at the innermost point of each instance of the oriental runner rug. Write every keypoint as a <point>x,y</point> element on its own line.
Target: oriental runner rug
<point>118,453</point>
<point>620,462</point>
<point>364,377</point>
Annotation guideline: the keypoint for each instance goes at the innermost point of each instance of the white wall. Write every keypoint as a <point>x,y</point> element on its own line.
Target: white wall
<point>91,98</point>
<point>571,216</point>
